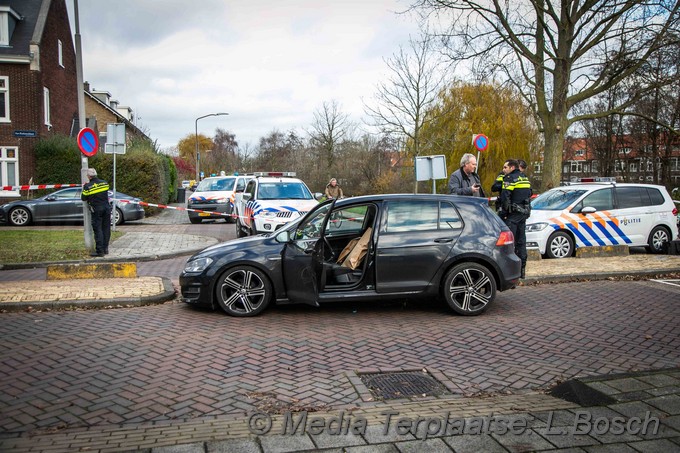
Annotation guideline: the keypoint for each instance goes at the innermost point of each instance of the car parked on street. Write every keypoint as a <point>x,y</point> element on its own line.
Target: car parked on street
<point>583,215</point>
<point>64,206</point>
<point>363,248</point>
<point>270,200</point>
<point>215,194</point>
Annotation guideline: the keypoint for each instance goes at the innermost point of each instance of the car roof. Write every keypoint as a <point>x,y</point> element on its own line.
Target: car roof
<point>412,196</point>
<point>278,179</point>
<point>599,185</point>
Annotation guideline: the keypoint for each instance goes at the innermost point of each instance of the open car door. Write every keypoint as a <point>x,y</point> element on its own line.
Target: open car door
<point>303,257</point>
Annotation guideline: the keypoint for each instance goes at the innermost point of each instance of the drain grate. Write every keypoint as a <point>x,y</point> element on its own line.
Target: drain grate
<point>402,384</point>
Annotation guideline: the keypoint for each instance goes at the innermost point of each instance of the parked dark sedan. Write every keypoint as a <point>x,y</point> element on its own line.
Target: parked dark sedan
<point>64,206</point>
<point>363,248</point>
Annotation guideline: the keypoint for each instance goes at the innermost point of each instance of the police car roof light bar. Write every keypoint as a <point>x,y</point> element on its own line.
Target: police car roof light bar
<point>290,174</point>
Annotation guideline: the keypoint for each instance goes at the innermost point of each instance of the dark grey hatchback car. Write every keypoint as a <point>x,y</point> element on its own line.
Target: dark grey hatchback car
<point>363,248</point>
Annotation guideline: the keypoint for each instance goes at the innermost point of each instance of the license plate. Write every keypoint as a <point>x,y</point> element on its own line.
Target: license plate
<point>204,214</point>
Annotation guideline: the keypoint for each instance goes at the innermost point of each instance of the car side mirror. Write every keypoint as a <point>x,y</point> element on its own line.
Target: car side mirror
<point>588,210</point>
<point>51,198</point>
<point>283,237</point>
<point>318,195</point>
<point>246,196</point>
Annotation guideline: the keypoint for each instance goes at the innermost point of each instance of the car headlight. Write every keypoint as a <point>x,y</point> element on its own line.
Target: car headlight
<point>223,200</point>
<point>536,226</point>
<point>267,214</point>
<point>198,265</point>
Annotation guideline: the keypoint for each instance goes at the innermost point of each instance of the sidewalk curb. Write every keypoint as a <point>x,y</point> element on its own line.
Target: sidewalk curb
<point>654,273</point>
<point>167,294</point>
<point>42,264</point>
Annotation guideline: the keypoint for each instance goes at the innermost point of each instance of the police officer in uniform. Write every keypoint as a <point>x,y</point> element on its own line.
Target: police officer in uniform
<point>515,206</point>
<point>96,193</point>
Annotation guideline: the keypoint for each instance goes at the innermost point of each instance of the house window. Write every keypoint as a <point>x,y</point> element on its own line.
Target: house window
<point>9,167</point>
<point>46,106</point>
<point>537,167</point>
<point>60,51</point>
<point>633,167</point>
<point>595,166</point>
<point>576,167</point>
<point>675,164</point>
<point>579,153</point>
<point>4,99</point>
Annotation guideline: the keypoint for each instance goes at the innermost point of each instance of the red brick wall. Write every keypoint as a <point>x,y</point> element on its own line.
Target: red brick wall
<point>26,91</point>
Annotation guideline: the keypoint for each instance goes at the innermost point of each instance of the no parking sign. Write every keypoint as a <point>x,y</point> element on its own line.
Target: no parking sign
<point>88,141</point>
<point>481,142</point>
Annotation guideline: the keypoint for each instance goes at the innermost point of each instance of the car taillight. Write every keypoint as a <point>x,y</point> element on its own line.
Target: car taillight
<point>506,238</point>
<point>675,211</point>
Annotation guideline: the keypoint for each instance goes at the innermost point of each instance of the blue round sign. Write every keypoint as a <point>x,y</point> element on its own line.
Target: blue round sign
<point>481,142</point>
<point>88,141</point>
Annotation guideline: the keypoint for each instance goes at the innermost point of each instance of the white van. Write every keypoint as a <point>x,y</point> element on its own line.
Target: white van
<point>584,215</point>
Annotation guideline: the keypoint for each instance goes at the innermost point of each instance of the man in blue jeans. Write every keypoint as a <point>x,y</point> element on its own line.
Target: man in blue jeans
<point>96,193</point>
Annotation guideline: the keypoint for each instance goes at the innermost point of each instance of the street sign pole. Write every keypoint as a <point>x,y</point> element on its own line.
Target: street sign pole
<point>115,143</point>
<point>87,221</point>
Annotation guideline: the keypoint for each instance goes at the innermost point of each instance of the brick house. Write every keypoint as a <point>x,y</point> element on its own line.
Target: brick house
<point>38,84</point>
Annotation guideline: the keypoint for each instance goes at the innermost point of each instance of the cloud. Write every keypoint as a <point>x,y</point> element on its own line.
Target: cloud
<point>269,63</point>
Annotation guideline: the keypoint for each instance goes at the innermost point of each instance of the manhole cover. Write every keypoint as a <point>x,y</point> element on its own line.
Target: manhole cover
<point>402,384</point>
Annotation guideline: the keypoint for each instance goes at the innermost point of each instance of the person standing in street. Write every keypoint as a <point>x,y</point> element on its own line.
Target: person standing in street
<point>515,207</point>
<point>333,190</point>
<point>96,194</point>
<point>465,180</point>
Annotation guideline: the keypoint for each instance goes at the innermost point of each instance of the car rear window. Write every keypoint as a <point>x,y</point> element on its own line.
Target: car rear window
<point>412,216</point>
<point>655,196</point>
<point>632,197</point>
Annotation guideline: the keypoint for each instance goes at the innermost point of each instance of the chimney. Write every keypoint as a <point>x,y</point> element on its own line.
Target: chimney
<point>86,86</point>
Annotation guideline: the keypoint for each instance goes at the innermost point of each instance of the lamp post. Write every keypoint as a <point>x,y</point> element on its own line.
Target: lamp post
<point>198,158</point>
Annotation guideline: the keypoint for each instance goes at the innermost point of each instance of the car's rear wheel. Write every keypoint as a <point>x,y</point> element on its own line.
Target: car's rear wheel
<point>118,217</point>
<point>243,291</point>
<point>195,219</point>
<point>657,237</point>
<point>469,288</point>
<point>560,245</point>
<point>20,216</point>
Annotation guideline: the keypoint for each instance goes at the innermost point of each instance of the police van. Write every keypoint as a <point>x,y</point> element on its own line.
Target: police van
<point>269,201</point>
<point>597,214</point>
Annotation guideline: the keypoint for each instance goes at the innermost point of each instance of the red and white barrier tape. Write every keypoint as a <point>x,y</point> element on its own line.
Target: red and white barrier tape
<point>177,208</point>
<point>40,186</point>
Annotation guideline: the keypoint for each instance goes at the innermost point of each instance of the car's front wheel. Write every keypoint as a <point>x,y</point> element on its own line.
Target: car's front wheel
<point>560,245</point>
<point>469,288</point>
<point>239,229</point>
<point>657,237</point>
<point>243,291</point>
<point>20,216</point>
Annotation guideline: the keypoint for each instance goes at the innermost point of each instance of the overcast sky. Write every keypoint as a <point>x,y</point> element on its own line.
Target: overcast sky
<point>268,63</point>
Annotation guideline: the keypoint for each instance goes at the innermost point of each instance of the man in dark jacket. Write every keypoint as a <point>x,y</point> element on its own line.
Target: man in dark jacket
<point>465,180</point>
<point>515,206</point>
<point>96,193</point>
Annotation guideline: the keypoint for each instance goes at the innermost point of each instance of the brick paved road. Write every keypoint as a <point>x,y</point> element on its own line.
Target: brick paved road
<point>166,362</point>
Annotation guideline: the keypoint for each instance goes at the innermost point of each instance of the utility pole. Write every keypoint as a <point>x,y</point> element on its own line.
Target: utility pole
<point>87,221</point>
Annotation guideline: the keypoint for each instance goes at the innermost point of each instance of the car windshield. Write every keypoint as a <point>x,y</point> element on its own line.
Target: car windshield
<point>212,185</point>
<point>556,199</point>
<point>283,191</point>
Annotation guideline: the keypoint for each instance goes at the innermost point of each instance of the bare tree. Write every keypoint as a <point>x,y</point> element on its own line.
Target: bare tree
<point>401,102</point>
<point>558,52</point>
<point>329,128</point>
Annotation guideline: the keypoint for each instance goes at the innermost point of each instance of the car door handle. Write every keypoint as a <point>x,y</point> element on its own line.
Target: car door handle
<point>443,240</point>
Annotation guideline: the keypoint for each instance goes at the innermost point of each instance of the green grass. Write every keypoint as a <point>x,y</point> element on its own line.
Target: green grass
<point>44,245</point>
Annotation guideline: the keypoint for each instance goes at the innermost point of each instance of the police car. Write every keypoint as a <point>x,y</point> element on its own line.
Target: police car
<point>270,200</point>
<point>597,214</point>
<point>215,194</point>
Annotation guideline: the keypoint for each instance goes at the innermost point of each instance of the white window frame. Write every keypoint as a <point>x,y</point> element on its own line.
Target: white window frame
<point>60,52</point>
<point>4,160</point>
<point>46,106</point>
<point>5,90</point>
<point>633,167</point>
<point>576,166</point>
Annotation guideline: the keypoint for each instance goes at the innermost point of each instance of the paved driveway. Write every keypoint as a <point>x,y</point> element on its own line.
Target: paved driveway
<point>134,365</point>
